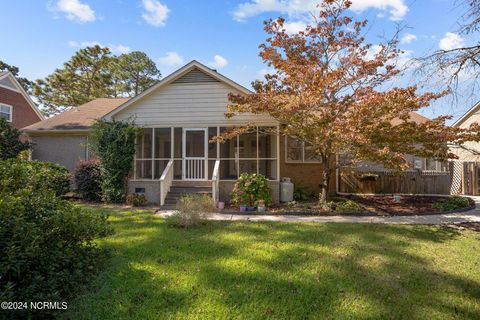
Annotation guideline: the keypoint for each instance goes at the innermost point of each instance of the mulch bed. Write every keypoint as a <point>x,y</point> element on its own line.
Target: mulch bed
<point>409,205</point>
<point>373,206</point>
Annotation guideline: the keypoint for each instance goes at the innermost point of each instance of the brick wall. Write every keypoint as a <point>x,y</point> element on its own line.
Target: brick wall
<point>23,114</point>
<point>306,175</point>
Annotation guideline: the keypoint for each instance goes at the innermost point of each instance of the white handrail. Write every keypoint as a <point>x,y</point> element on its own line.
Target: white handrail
<point>166,181</point>
<point>215,181</point>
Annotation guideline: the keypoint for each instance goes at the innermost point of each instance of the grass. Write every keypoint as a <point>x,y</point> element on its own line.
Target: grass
<point>246,270</point>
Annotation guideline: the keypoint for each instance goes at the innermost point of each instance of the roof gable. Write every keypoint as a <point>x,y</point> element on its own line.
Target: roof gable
<point>193,72</point>
<point>8,80</point>
<point>473,110</point>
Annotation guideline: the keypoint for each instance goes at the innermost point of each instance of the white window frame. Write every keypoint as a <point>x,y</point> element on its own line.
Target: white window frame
<point>438,166</point>
<point>303,154</point>
<point>11,111</point>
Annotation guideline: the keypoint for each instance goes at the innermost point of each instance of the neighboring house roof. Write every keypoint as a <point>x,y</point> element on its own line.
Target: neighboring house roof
<point>18,88</point>
<point>467,115</point>
<point>174,76</point>
<point>79,118</point>
<point>414,117</point>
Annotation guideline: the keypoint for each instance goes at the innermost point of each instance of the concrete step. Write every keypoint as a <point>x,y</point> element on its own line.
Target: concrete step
<point>180,188</point>
<point>179,183</point>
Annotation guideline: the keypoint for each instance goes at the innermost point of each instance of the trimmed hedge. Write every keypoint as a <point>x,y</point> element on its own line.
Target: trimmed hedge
<point>17,174</point>
<point>88,179</point>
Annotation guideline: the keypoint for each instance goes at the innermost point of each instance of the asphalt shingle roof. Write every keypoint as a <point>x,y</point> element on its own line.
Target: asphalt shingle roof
<point>79,118</point>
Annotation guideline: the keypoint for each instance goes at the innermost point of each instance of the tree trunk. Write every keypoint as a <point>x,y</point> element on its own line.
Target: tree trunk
<point>325,179</point>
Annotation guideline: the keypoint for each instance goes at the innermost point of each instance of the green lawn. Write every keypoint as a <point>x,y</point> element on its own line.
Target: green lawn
<point>283,271</point>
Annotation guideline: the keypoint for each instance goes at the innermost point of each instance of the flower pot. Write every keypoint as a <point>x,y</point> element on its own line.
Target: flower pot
<point>221,205</point>
<point>243,208</point>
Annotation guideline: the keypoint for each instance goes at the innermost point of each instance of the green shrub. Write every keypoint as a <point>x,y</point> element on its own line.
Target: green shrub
<point>10,144</point>
<point>17,174</point>
<point>249,188</point>
<point>88,179</point>
<point>114,144</point>
<point>302,195</point>
<point>452,203</point>
<point>46,246</point>
<point>136,200</point>
<point>191,210</point>
<point>348,206</point>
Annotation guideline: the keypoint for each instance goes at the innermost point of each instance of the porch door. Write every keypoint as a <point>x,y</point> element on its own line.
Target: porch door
<point>195,150</point>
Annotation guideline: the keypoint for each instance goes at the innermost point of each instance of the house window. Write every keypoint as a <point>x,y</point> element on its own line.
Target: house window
<point>430,165</point>
<point>299,151</point>
<point>6,112</point>
<point>435,165</point>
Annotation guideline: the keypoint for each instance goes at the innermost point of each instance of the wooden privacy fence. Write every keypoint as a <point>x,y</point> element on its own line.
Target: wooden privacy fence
<point>387,182</point>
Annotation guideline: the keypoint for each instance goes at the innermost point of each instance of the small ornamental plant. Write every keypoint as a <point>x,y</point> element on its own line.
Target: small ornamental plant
<point>192,209</point>
<point>88,179</point>
<point>250,188</point>
<point>136,200</point>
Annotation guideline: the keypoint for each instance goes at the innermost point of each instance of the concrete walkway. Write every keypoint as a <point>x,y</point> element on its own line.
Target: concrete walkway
<point>467,216</point>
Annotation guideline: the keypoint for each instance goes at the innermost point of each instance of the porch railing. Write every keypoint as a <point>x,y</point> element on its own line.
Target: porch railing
<point>215,182</point>
<point>194,168</point>
<point>166,181</point>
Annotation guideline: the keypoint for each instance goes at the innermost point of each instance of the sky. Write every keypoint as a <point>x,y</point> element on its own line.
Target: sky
<point>39,36</point>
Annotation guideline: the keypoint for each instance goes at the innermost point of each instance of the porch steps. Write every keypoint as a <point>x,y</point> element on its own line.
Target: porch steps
<point>179,188</point>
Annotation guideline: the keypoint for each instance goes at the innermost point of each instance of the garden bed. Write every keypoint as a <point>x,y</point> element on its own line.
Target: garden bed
<point>384,205</point>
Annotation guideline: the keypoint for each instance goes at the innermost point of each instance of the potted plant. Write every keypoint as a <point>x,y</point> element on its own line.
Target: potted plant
<point>261,206</point>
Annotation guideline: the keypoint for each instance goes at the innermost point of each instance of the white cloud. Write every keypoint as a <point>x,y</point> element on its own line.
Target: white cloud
<point>397,8</point>
<point>155,13</point>
<point>408,38</point>
<point>263,72</point>
<point>75,10</point>
<point>115,48</point>
<point>451,41</point>
<point>119,48</point>
<point>294,27</point>
<point>373,51</point>
<point>218,62</point>
<point>171,59</point>
<point>294,8</point>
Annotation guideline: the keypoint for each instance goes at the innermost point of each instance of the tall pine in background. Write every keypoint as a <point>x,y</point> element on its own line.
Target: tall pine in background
<point>93,72</point>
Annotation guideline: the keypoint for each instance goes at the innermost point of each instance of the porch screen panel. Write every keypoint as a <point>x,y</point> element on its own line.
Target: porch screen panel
<point>254,151</point>
<point>163,143</point>
<point>144,155</point>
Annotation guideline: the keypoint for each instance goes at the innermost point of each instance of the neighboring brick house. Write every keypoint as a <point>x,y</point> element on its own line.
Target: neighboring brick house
<point>16,106</point>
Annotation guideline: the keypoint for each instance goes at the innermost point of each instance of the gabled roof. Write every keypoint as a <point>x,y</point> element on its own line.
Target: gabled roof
<point>80,118</point>
<point>467,115</point>
<point>19,88</point>
<point>174,76</point>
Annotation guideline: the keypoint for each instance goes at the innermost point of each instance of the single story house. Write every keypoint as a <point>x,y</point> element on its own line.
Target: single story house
<point>16,106</point>
<point>179,115</point>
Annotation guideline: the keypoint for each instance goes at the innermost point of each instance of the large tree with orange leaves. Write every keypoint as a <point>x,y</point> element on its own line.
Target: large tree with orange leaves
<point>328,88</point>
